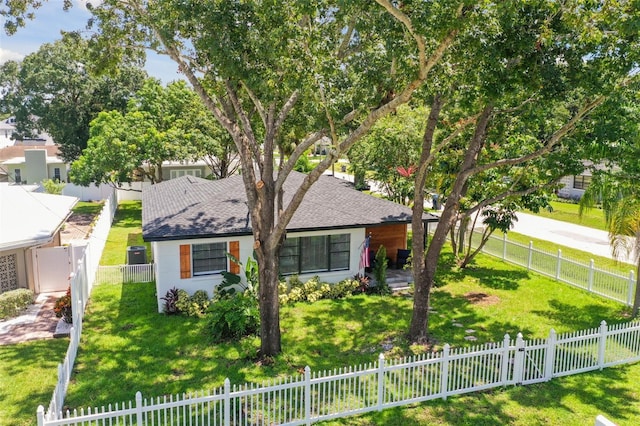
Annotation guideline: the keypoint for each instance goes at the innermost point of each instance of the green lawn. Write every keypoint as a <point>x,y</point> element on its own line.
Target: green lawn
<point>128,347</point>
<point>28,375</point>
<point>576,255</point>
<point>88,207</point>
<point>568,212</point>
<point>126,230</point>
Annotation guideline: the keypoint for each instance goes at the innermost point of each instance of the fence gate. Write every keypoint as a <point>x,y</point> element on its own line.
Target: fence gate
<point>53,265</point>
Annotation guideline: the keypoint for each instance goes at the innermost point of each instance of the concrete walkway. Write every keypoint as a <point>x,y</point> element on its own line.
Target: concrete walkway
<point>566,234</point>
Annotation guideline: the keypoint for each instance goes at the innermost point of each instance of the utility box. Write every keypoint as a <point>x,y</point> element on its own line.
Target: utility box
<point>136,255</point>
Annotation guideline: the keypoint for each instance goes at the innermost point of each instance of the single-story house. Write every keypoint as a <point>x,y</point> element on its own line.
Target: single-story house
<point>29,223</point>
<point>192,224</point>
<point>31,165</point>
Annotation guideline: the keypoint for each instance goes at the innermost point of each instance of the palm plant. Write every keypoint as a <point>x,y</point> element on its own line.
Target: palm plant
<point>620,203</point>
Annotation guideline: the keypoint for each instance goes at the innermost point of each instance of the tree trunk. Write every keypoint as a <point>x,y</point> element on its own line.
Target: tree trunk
<point>269,303</point>
<point>424,274</point>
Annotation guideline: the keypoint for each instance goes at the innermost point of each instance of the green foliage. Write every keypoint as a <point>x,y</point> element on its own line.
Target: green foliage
<point>12,302</point>
<point>380,272</point>
<point>160,124</point>
<point>303,165</point>
<point>63,307</point>
<point>231,282</point>
<point>55,90</point>
<point>183,301</point>
<point>170,306</point>
<point>52,187</point>
<point>233,317</point>
<point>313,290</point>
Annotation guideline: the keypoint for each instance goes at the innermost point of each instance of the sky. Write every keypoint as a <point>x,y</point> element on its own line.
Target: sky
<point>50,20</point>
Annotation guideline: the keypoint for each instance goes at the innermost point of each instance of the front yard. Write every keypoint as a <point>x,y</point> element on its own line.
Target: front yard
<point>128,347</point>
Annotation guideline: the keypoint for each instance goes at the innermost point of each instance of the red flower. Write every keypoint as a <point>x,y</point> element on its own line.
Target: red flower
<point>406,172</point>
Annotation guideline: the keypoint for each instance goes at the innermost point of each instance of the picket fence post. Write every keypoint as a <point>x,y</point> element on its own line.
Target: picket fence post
<point>590,279</point>
<point>550,357</point>
<point>504,371</point>
<point>602,343</point>
<point>40,415</point>
<point>518,363</point>
<point>559,264</point>
<point>631,288</point>
<point>139,419</point>
<point>530,255</point>
<point>380,381</point>
<point>307,395</point>
<point>227,402</point>
<point>444,371</point>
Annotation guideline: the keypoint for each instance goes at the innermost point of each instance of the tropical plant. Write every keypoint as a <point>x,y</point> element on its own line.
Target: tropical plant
<point>63,307</point>
<point>620,201</point>
<point>170,302</point>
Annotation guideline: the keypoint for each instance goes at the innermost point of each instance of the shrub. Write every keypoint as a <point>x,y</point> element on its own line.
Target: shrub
<point>63,308</point>
<point>342,289</point>
<point>198,304</point>
<point>380,273</point>
<point>233,317</point>
<point>170,302</point>
<point>14,301</point>
<point>183,301</point>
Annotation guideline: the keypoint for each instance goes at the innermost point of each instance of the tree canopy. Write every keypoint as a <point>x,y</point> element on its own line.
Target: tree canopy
<point>55,90</point>
<point>160,124</point>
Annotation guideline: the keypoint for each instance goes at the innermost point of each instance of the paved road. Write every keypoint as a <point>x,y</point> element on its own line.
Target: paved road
<point>567,234</point>
<point>562,233</point>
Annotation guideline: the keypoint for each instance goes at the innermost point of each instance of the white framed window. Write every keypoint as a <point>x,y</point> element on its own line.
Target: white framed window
<point>185,172</point>
<point>209,258</point>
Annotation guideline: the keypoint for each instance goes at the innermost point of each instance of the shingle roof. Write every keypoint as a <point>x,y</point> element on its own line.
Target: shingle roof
<point>190,207</point>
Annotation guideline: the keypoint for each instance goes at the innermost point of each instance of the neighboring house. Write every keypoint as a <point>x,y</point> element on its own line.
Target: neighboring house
<point>30,223</point>
<point>7,136</point>
<point>31,165</point>
<point>573,187</point>
<point>193,223</point>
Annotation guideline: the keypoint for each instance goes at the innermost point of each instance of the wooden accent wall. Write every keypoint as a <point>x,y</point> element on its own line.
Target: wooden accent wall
<point>392,237</point>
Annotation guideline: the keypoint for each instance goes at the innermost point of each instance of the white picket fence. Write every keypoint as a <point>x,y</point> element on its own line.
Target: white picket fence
<point>607,284</point>
<point>125,274</point>
<point>81,283</point>
<point>317,396</point>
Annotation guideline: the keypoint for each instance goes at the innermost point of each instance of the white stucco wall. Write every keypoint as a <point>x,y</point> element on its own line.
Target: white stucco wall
<point>166,256</point>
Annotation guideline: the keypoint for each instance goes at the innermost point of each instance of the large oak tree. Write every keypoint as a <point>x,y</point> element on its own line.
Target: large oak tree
<point>56,91</point>
<point>272,70</point>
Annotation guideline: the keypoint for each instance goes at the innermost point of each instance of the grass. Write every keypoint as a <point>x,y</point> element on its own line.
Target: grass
<point>88,207</point>
<point>128,347</point>
<point>126,230</point>
<point>569,212</point>
<point>28,375</point>
<point>576,255</point>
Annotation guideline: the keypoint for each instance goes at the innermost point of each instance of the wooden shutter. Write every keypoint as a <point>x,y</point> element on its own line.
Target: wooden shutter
<point>185,261</point>
<point>234,250</point>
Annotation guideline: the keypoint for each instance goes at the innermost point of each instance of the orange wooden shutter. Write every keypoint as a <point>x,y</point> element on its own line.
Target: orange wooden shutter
<point>234,250</point>
<point>185,261</point>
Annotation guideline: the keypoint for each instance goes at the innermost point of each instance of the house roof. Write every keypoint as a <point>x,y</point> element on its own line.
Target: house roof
<point>30,218</point>
<point>17,151</point>
<point>190,207</point>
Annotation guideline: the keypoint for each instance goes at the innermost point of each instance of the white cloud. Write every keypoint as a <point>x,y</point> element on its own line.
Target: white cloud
<point>9,55</point>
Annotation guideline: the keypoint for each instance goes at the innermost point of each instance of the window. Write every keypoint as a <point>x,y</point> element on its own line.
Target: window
<point>581,182</point>
<point>18,177</point>
<point>209,258</point>
<point>186,172</point>
<point>315,254</point>
<point>56,174</point>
